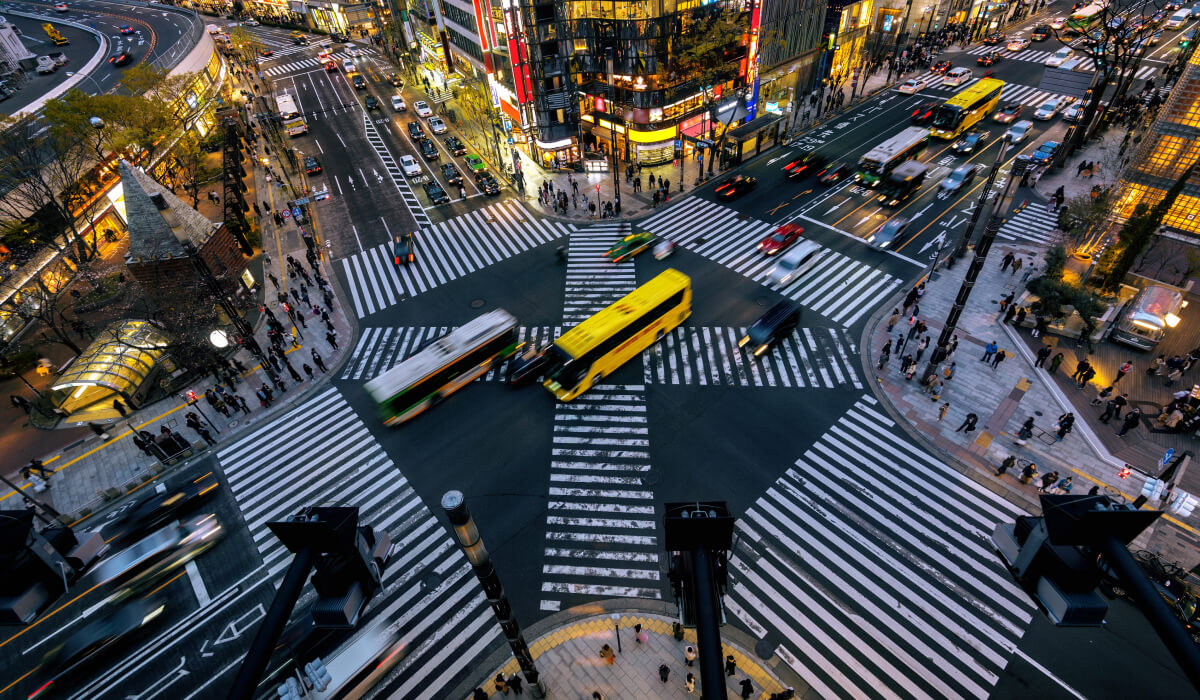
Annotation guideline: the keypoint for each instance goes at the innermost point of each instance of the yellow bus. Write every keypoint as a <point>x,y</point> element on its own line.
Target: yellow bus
<point>598,346</point>
<point>965,109</point>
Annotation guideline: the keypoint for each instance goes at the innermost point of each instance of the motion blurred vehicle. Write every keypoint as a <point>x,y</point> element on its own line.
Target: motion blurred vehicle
<point>312,166</point>
<point>487,182</point>
<point>970,141</point>
<point>804,166</point>
<point>1058,22</point>
<point>526,367</point>
<point>265,53</point>
<point>395,80</point>
<point>629,246</point>
<point>119,57</point>
<point>300,41</point>
<point>415,130</point>
<point>60,7</point>
<point>924,112</point>
<point>422,108</point>
<point>474,162</point>
<point>1008,113</point>
<point>436,194</point>
<point>88,646</point>
<point>781,239</point>
<point>371,102</point>
<point>912,86</point>
<point>455,146</point>
<point>1073,113</point>
<point>887,232</point>
<point>404,249</point>
<point>330,66</point>
<point>1060,57</point>
<point>989,59</point>
<point>941,67</point>
<point>429,150</point>
<point>796,262</point>
<point>1017,132</point>
<point>1045,152</point>
<point>126,29</point>
<point>398,103</point>
<point>156,556</point>
<point>410,166</point>
<point>960,176</point>
<point>834,172</point>
<point>736,186</point>
<point>777,323</point>
<point>1017,45</point>
<point>958,76</point>
<point>663,248</point>
<point>1040,33</point>
<point>451,174</point>
<point>437,126</point>
<point>1049,108</point>
<point>156,511</point>
<point>994,38</point>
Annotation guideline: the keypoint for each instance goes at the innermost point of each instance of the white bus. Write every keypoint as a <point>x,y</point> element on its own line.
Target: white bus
<point>884,158</point>
<point>293,121</point>
<point>444,366</point>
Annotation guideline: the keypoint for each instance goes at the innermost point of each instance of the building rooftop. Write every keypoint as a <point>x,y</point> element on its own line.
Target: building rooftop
<point>159,221</point>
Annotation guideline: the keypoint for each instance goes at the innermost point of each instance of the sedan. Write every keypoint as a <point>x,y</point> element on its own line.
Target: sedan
<point>404,249</point>
<point>833,173</point>
<point>781,240</point>
<point>410,166</point>
<point>1040,33</point>
<point>126,29</point>
<point>422,108</point>
<point>60,7</point>
<point>941,67</point>
<point>451,174</point>
<point>398,103</point>
<point>804,166</point>
<point>1045,152</point>
<point>311,165</point>
<point>266,52</point>
<point>888,232</point>
<point>395,80</point>
<point>1058,22</point>
<point>436,194</point>
<point>736,186</point>
<point>1060,57</point>
<point>486,182</point>
<point>157,511</point>
<point>250,23</point>
<point>119,58</point>
<point>455,146</point>
<point>1017,132</point>
<point>430,150</point>
<point>1073,113</point>
<point>474,162</point>
<point>993,38</point>
<point>437,126</point>
<point>960,176</point>
<point>416,131</point>
<point>527,366</point>
<point>912,86</point>
<point>1048,109</point>
<point>923,114</point>
<point>1018,45</point>
<point>371,102</point>
<point>989,59</point>
<point>970,141</point>
<point>629,246</point>
<point>1007,114</point>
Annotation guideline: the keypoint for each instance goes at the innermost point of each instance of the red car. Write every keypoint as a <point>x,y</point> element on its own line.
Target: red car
<point>923,114</point>
<point>779,241</point>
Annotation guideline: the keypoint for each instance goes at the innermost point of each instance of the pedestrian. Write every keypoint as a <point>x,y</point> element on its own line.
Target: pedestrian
<point>1010,313</point>
<point>1008,463</point>
<point>1104,394</point>
<point>1131,421</point>
<point>608,655</point>
<point>900,340</point>
<point>331,339</point>
<point>99,430</point>
<point>948,372</point>
<point>1055,362</point>
<point>1080,168</point>
<point>664,672</point>
<point>241,403</point>
<point>689,655</point>
<point>1047,481</point>
<point>264,396</point>
<point>515,682</point>
<point>1123,370</point>
<point>1007,260</point>
<point>1174,376</point>
<point>747,688</point>
<point>921,347</point>
<point>318,361</point>
<point>989,350</point>
<point>501,685</point>
<point>308,370</point>
<point>689,684</point>
<point>1000,356</point>
<point>1064,486</point>
<point>1113,408</point>
<point>730,665</point>
<point>1042,354</point>
<point>969,424</point>
<point>292,371</point>
<point>1021,314</point>
<point>1065,422</point>
<point>943,410</point>
<point>893,319</point>
<point>1080,368</point>
<point>1156,366</point>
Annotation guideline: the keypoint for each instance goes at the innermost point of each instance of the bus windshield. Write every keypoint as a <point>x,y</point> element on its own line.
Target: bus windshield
<point>947,117</point>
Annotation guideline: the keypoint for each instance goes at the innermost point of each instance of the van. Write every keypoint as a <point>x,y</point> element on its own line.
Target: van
<point>1145,320</point>
<point>1179,19</point>
<point>799,260</point>
<point>958,76</point>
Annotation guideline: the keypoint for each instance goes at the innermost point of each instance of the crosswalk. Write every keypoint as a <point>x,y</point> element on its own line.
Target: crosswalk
<point>874,560</point>
<point>1033,223</point>
<point>842,289</point>
<point>1027,95</point>
<point>601,523</point>
<point>321,452</point>
<point>809,358</point>
<point>308,63</point>
<point>445,252</point>
<point>1040,56</point>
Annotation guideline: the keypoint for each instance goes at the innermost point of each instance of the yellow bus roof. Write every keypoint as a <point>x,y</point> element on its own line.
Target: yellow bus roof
<point>604,323</point>
<point>967,97</point>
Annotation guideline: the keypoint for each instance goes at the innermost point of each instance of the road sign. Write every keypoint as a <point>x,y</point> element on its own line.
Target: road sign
<point>302,200</point>
<point>297,213</point>
<point>1167,457</point>
<point>285,213</point>
<point>703,143</point>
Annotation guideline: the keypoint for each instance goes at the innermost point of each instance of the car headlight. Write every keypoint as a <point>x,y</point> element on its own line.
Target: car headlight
<point>760,350</point>
<point>742,343</point>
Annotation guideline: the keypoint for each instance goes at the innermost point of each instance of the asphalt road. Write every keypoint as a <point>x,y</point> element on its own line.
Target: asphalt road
<point>864,562</point>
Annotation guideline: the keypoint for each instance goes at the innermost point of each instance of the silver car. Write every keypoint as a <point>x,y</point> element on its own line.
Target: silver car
<point>962,175</point>
<point>1049,108</point>
<point>157,555</point>
<point>1017,132</point>
<point>888,232</point>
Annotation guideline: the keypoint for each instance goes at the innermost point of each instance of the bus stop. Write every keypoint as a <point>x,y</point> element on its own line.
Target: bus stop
<point>752,138</point>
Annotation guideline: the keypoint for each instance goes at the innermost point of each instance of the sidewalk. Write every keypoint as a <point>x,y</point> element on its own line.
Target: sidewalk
<point>566,651</point>
<point>90,471</point>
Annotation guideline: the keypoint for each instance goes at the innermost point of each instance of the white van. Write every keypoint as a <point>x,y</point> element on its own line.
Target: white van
<point>1179,19</point>
<point>796,262</point>
<point>958,76</point>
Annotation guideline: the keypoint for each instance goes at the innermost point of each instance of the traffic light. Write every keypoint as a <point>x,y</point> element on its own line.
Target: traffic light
<point>191,397</point>
<point>318,674</point>
<point>1182,504</point>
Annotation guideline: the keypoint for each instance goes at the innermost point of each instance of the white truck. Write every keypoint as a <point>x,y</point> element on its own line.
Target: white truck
<point>46,64</point>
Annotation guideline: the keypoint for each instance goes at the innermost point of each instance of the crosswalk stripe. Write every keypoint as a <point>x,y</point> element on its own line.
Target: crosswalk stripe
<point>322,452</point>
<point>1033,223</point>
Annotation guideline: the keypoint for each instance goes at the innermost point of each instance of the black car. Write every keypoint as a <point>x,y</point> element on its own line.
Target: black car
<point>994,38</point>
<point>833,173</point>
<point>154,512</point>
<point>776,324</point>
<point>404,249</point>
<point>451,174</point>
<point>736,186</point>
<point>437,195</point>
<point>1041,33</point>
<point>430,150</point>
<point>371,102</point>
<point>923,114</point>
<point>804,166</point>
<point>415,130</point>
<point>988,59</point>
<point>527,366</point>
<point>456,147</point>
<point>340,38</point>
<point>970,141</point>
<point>487,182</point>
<point>312,166</point>
<point>394,79</point>
<point>300,41</point>
<point>119,58</point>
<point>360,83</point>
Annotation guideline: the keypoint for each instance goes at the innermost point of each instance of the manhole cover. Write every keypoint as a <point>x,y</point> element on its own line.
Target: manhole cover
<point>765,648</point>
<point>476,303</point>
<point>762,301</point>
<point>651,479</point>
<point>1037,413</point>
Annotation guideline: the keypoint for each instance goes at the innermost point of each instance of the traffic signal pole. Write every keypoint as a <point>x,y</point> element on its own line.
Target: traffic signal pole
<point>708,630</point>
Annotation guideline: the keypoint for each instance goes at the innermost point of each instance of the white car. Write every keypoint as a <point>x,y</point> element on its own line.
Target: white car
<point>1018,44</point>
<point>398,103</point>
<point>912,86</point>
<point>1017,132</point>
<point>437,126</point>
<point>802,258</point>
<point>1061,56</point>
<point>250,23</point>
<point>1049,108</point>
<point>422,109</point>
<point>1073,113</point>
<point>1058,22</point>
<point>354,51</point>
<point>410,166</point>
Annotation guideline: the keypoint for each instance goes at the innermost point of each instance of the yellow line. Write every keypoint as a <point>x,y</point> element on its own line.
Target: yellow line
<point>1166,517</point>
<point>25,675</point>
<point>40,620</point>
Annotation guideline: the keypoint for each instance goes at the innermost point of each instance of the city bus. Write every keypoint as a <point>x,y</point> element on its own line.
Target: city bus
<point>884,158</point>
<point>444,366</point>
<point>293,121</point>
<point>966,109</point>
<point>1085,20</point>
<point>600,345</point>
<point>902,182</point>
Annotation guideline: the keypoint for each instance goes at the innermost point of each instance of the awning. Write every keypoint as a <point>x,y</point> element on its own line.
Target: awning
<point>118,362</point>
<point>752,127</point>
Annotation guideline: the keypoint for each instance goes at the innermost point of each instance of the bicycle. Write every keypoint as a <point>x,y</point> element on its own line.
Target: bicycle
<point>1151,560</point>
